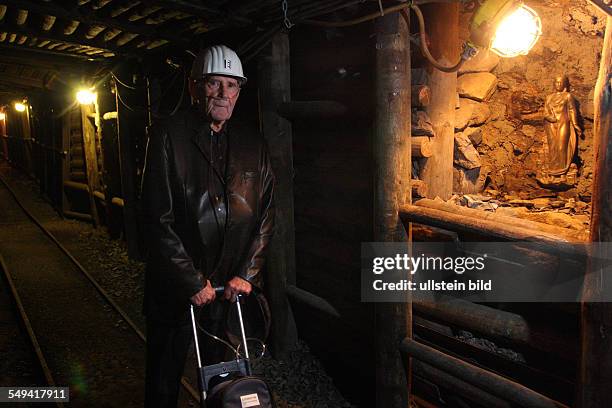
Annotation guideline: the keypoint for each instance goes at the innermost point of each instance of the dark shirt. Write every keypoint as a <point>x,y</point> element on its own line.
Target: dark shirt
<point>217,199</point>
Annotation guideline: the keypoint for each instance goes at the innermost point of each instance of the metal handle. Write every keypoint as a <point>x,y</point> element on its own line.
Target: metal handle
<point>197,348</point>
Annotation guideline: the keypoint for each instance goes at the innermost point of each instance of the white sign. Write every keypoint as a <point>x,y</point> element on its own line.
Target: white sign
<point>249,400</point>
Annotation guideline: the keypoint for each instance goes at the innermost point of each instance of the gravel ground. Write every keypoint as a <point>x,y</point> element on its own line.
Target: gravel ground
<point>299,382</point>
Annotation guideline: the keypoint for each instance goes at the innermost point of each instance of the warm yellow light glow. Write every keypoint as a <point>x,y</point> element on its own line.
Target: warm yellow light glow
<point>85,96</point>
<point>517,33</point>
<point>20,107</point>
<point>2,116</point>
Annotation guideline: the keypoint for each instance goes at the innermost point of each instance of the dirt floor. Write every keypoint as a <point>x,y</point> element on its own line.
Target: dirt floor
<point>299,382</point>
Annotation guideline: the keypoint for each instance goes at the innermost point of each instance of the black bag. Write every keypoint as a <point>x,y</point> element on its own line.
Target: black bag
<point>240,392</point>
<point>230,384</point>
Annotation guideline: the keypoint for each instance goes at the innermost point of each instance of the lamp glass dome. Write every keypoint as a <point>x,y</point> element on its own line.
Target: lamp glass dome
<point>86,96</point>
<point>517,33</point>
<point>20,107</point>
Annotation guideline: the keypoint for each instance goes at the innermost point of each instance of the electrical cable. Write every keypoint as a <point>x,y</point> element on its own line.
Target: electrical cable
<point>121,82</point>
<point>266,40</point>
<point>377,14</point>
<point>414,5</point>
<point>236,350</point>
<point>423,42</point>
<point>140,109</point>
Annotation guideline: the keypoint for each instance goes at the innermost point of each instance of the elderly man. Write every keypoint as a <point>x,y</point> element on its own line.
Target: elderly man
<point>207,197</point>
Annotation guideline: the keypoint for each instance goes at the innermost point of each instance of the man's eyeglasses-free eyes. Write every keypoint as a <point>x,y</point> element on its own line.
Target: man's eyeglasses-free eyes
<point>230,88</point>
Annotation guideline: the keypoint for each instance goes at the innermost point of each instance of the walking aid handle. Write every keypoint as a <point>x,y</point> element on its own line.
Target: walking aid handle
<point>197,348</point>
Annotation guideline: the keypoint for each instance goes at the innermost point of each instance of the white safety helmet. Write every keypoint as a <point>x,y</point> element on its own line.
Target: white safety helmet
<point>217,60</point>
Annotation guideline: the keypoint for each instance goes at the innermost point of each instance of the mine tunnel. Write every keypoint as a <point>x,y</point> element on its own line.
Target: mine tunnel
<point>412,199</point>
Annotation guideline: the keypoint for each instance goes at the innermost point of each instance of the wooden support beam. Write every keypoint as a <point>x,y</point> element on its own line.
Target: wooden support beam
<point>421,147</point>
<point>91,161</point>
<point>595,371</point>
<point>44,51</point>
<point>88,17</point>
<point>565,234</point>
<point>202,10</point>
<point>51,36</point>
<point>127,174</point>
<point>443,27</point>
<point>483,379</point>
<point>274,89</point>
<point>311,300</point>
<point>497,324</point>
<point>392,166</point>
<point>476,225</point>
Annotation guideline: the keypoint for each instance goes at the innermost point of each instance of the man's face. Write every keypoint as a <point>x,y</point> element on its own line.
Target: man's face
<point>216,95</point>
<point>559,84</point>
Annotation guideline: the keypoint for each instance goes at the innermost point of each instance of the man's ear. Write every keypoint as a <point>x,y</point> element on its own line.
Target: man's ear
<point>192,91</point>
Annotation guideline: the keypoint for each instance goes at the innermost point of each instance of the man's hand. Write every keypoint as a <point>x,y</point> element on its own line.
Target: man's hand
<point>204,296</point>
<point>236,286</point>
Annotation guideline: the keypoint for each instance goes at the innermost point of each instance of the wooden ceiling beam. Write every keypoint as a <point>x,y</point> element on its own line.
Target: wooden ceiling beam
<point>88,15</point>
<point>45,51</point>
<point>209,13</point>
<point>48,36</point>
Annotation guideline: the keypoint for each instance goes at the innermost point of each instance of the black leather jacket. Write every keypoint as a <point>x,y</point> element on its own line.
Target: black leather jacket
<point>178,209</point>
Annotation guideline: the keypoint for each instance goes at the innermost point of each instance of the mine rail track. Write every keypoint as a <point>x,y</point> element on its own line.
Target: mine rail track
<point>27,329</point>
<point>29,294</point>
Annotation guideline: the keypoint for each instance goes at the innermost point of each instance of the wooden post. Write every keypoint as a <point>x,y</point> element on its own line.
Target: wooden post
<point>392,166</point>
<point>127,172</point>
<point>595,374</point>
<point>91,161</point>
<point>442,22</point>
<point>275,89</point>
<point>65,166</point>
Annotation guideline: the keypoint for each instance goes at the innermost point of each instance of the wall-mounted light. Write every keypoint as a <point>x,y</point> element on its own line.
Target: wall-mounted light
<point>2,116</point>
<point>20,106</point>
<point>507,27</point>
<point>86,96</point>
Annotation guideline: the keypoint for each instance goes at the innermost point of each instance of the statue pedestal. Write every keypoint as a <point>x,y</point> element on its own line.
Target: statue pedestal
<point>558,182</point>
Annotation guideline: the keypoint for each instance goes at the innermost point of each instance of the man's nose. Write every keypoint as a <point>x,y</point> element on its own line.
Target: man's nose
<point>222,93</point>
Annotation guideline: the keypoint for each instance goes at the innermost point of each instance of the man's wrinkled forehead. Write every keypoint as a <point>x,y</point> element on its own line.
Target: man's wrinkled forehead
<point>224,78</point>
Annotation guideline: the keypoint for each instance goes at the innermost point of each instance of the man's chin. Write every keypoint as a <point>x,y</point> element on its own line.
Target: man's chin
<point>219,115</point>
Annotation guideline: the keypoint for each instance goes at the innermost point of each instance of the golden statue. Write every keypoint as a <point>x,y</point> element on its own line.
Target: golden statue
<point>563,126</point>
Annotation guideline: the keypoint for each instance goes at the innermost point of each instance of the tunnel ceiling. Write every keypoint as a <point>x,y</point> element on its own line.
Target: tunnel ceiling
<point>41,39</point>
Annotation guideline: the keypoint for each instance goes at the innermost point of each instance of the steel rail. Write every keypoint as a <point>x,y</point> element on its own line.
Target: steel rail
<point>29,329</point>
<point>192,392</point>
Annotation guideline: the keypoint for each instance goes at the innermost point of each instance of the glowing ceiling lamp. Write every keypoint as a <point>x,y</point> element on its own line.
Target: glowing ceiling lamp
<point>508,27</point>
<point>20,106</point>
<point>86,96</point>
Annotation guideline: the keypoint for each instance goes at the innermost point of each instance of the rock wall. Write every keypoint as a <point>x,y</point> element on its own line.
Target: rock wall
<point>499,124</point>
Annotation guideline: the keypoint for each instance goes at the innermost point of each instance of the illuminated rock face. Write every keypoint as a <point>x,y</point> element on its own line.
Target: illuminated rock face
<point>512,140</point>
<point>466,155</point>
<point>479,86</point>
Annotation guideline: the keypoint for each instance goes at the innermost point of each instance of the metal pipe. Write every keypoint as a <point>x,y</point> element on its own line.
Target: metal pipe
<point>457,386</point>
<point>311,300</point>
<point>479,377</point>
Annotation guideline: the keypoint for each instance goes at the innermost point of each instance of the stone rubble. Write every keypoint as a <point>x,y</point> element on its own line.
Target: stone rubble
<point>478,86</point>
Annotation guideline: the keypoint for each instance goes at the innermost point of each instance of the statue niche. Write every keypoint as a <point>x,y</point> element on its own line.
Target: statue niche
<point>563,125</point>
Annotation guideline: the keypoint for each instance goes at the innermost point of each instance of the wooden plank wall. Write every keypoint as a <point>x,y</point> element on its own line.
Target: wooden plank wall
<point>333,198</point>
